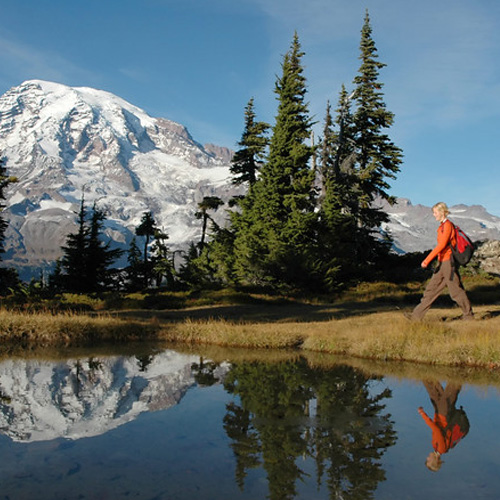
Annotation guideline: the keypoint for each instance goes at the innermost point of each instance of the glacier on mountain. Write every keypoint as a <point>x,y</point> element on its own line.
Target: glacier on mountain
<point>63,143</point>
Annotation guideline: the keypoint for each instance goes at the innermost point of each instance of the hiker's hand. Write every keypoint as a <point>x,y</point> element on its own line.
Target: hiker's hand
<point>424,265</point>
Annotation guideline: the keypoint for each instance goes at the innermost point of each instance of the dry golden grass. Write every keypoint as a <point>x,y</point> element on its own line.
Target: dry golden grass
<point>366,323</point>
<point>382,336</point>
<point>41,329</point>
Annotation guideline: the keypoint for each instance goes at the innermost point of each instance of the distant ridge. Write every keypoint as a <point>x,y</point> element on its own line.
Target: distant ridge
<point>413,227</point>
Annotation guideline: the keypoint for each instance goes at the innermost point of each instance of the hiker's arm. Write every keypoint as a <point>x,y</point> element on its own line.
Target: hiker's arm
<point>443,240</point>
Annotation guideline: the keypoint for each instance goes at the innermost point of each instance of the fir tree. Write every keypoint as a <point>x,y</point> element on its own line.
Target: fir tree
<point>189,272</point>
<point>336,225</point>
<point>245,166</point>
<point>275,226</point>
<point>74,259</point>
<point>99,254</point>
<point>134,271</point>
<point>5,180</point>
<point>8,276</point>
<point>86,261</point>
<point>248,160</point>
<point>162,265</point>
<point>146,228</point>
<point>356,163</point>
<point>377,157</point>
<point>208,203</point>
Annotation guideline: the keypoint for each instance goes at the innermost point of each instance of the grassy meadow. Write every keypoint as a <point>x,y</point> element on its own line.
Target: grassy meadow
<point>365,322</point>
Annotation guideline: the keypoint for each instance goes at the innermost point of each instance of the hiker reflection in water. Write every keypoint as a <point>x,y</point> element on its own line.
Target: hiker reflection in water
<point>450,424</point>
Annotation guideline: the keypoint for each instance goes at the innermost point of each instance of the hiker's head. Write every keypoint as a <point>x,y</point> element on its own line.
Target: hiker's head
<point>440,211</point>
<point>434,461</point>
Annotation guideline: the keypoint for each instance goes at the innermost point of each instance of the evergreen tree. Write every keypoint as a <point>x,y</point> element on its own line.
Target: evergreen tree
<point>56,279</point>
<point>148,229</point>
<point>74,260</point>
<point>220,256</point>
<point>160,259</point>
<point>277,217</point>
<point>356,163</point>
<point>190,272</point>
<point>5,180</point>
<point>135,269</point>
<point>85,264</point>
<point>248,160</point>
<point>99,254</point>
<point>337,225</point>
<point>8,276</point>
<point>218,259</point>
<point>208,203</point>
<point>377,157</point>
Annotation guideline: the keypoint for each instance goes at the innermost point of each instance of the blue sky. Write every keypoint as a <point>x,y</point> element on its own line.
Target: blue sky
<point>198,62</point>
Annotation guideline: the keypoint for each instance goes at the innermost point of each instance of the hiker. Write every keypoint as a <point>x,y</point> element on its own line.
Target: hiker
<point>450,424</point>
<point>446,273</point>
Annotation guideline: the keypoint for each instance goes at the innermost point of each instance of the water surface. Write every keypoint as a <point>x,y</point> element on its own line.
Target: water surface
<point>164,424</point>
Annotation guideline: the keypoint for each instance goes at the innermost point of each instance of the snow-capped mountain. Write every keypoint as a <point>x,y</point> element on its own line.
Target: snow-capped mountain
<point>63,143</point>
<point>76,398</point>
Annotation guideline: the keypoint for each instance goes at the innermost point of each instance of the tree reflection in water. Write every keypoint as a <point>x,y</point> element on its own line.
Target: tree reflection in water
<point>290,410</point>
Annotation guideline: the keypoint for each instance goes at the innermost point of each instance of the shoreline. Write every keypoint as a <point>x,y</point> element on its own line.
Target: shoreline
<point>371,331</point>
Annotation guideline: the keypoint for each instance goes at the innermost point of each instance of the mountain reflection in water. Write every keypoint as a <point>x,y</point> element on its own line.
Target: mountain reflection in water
<point>167,425</point>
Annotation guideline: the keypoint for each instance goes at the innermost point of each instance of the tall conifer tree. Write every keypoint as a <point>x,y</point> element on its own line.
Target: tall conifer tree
<point>74,260</point>
<point>146,228</point>
<point>208,203</point>
<point>337,224</point>
<point>135,269</point>
<point>276,222</point>
<point>377,157</point>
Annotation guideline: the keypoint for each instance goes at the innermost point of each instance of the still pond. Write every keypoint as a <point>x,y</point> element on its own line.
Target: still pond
<point>166,423</point>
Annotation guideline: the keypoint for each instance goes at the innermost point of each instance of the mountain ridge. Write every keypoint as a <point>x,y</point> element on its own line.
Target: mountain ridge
<point>64,143</point>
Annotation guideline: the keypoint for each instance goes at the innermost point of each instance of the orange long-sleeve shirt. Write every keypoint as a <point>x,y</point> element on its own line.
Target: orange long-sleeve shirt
<point>441,441</point>
<point>444,436</point>
<point>445,236</point>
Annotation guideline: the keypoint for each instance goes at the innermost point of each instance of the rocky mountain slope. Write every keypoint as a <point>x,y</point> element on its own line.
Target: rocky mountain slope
<point>63,143</point>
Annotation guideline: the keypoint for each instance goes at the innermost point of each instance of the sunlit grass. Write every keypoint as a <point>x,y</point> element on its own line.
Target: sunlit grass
<point>365,322</point>
<point>41,329</point>
<point>381,336</point>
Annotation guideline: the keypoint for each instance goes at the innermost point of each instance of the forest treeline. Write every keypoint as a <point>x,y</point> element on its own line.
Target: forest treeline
<point>307,218</point>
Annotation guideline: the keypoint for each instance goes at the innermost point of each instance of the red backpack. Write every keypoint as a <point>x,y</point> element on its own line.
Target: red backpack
<point>463,249</point>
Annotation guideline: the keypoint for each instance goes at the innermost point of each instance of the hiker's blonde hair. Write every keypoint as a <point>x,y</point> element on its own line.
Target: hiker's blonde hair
<point>442,207</point>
